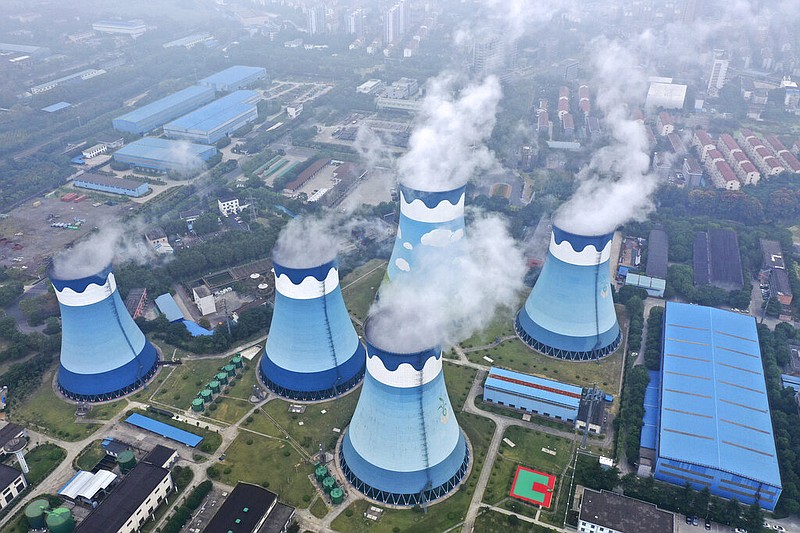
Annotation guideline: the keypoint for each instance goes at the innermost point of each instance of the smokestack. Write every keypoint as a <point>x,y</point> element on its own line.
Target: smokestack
<point>570,312</point>
<point>432,220</point>
<point>403,445</point>
<point>312,350</point>
<point>104,354</point>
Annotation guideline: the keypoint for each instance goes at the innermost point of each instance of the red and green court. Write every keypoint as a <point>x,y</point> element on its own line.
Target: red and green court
<point>533,487</point>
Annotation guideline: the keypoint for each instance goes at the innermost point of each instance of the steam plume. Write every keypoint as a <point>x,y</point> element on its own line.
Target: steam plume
<point>112,244</point>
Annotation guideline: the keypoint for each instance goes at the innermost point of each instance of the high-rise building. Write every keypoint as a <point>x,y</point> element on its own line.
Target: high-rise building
<point>355,22</point>
<point>316,19</point>
<point>719,70</point>
<point>393,25</point>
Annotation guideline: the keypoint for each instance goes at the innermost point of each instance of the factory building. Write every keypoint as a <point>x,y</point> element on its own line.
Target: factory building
<point>158,113</point>
<point>716,259</point>
<point>12,482</point>
<point>104,354</point>
<point>430,221</point>
<point>403,446</point>
<point>250,509</point>
<point>111,185</point>
<point>131,503</point>
<point>132,28</point>
<point>714,428</point>
<point>570,312</point>
<point>609,512</point>
<point>312,350</point>
<point>531,393</point>
<point>214,121</point>
<point>234,78</point>
<point>164,155</point>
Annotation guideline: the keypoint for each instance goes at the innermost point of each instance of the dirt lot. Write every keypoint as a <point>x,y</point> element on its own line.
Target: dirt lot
<point>376,188</point>
<point>39,241</point>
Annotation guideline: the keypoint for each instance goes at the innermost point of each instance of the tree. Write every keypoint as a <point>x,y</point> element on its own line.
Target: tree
<point>754,518</point>
<point>9,292</point>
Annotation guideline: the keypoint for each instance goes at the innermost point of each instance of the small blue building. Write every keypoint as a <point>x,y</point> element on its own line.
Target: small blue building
<point>158,113</point>
<point>108,184</point>
<point>714,425</point>
<point>533,394</point>
<point>164,155</point>
<point>233,78</point>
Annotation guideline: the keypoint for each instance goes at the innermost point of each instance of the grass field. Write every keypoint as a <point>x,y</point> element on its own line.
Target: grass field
<point>501,326</point>
<point>270,461</point>
<point>186,380</point>
<point>494,522</point>
<point>440,516</point>
<point>319,508</point>
<point>261,423</point>
<point>90,456</point>
<point>458,380</point>
<point>244,383</point>
<point>42,460</point>
<point>360,286</point>
<point>46,412</point>
<point>229,410</point>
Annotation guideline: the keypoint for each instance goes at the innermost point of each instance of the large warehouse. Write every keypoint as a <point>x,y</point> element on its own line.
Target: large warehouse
<point>158,113</point>
<point>163,155</point>
<point>714,426</point>
<point>214,121</point>
<point>531,393</point>
<point>233,78</point>
<point>122,186</point>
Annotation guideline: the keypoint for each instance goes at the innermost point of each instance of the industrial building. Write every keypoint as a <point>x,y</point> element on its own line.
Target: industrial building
<point>665,96</point>
<point>312,351</point>
<point>158,113</point>
<point>87,487</point>
<point>12,482</point>
<point>250,509</point>
<point>403,445</point>
<point>777,276</point>
<point>531,393</point>
<point>234,78</point>
<point>657,252</point>
<point>429,221</point>
<point>570,313</point>
<point>655,287</point>
<point>714,425</point>
<point>214,121</point>
<point>609,512</point>
<point>164,155</point>
<point>111,185</point>
<point>104,354</point>
<point>131,503</point>
<point>132,28</point>
<point>717,260</point>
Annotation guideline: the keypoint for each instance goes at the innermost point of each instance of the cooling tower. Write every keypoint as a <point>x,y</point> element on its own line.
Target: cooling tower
<point>104,354</point>
<point>427,220</point>
<point>312,350</point>
<point>403,445</point>
<point>570,312</point>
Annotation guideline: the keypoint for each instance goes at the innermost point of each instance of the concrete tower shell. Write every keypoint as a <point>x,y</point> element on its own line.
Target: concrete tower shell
<point>432,220</point>
<point>403,445</point>
<point>104,354</point>
<point>570,313</point>
<point>312,350</point>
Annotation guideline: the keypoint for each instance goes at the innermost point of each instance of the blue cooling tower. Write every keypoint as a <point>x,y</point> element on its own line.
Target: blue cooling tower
<point>312,350</point>
<point>570,312</point>
<point>432,220</point>
<point>104,354</point>
<point>403,445</point>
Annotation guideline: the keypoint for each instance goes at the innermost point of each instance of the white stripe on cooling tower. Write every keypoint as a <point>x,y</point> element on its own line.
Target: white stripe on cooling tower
<point>406,376</point>
<point>444,211</point>
<point>91,295</point>
<point>309,288</point>
<point>589,256</point>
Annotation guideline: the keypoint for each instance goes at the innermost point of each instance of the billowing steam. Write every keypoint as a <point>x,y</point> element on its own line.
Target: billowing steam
<point>448,298</point>
<point>187,161</point>
<point>112,244</point>
<point>447,146</point>
<point>617,185</point>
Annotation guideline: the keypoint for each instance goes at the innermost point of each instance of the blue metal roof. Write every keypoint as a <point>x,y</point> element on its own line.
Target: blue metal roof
<point>649,438</point>
<point>167,305</point>
<point>714,408</point>
<point>791,382</point>
<point>165,430</point>
<point>56,107</point>
<point>235,75</point>
<point>168,102</point>
<point>534,387</point>
<point>216,114</point>
<point>154,148</point>
<point>195,329</point>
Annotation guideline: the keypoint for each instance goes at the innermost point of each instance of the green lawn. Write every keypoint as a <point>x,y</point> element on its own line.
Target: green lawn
<point>107,410</point>
<point>319,508</point>
<point>268,461</point>
<point>211,439</point>
<point>90,456</point>
<point>42,460</point>
<point>261,423</point>
<point>501,326</point>
<point>228,410</point>
<point>494,522</point>
<point>186,380</point>
<point>440,516</point>
<point>317,427</point>
<point>458,380</point>
<point>46,412</point>
<point>245,380</point>
<point>358,295</point>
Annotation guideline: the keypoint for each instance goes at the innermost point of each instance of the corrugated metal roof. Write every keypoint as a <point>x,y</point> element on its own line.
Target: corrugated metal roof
<point>649,437</point>
<point>714,408</point>
<point>216,114</point>
<point>159,106</point>
<point>534,386</point>
<point>167,305</point>
<point>233,75</point>
<point>86,485</point>
<point>164,149</point>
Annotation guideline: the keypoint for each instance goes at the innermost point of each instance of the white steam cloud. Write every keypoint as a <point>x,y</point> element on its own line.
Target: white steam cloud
<point>617,185</point>
<point>447,146</point>
<point>447,298</point>
<point>112,244</point>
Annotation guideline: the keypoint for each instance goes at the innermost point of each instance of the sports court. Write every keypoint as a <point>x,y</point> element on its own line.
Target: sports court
<point>533,487</point>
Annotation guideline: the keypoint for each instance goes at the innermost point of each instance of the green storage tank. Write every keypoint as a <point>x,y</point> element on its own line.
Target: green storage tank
<point>237,361</point>
<point>328,484</point>
<point>337,495</point>
<point>321,472</point>
<point>205,395</point>
<point>214,386</point>
<point>34,513</point>
<point>197,404</point>
<point>60,520</point>
<point>222,377</point>
<point>230,370</point>
<point>126,461</point>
